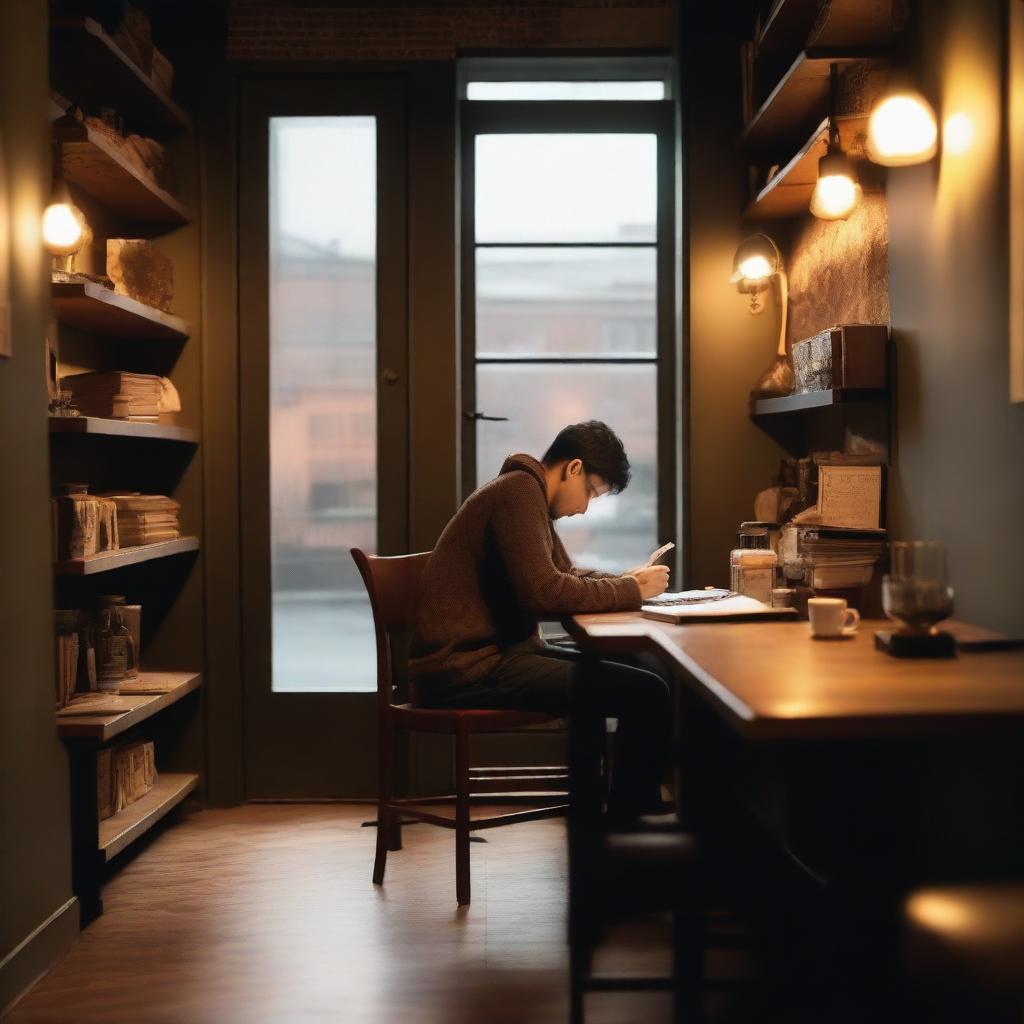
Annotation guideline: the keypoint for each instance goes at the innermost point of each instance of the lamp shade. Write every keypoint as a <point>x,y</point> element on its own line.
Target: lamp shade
<point>837,190</point>
<point>65,230</point>
<point>757,258</point>
<point>902,129</point>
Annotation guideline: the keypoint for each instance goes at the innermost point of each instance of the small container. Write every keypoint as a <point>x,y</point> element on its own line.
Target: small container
<point>75,522</point>
<point>752,565</point>
<point>782,597</point>
<point>132,616</point>
<point>116,658</point>
<point>774,531</point>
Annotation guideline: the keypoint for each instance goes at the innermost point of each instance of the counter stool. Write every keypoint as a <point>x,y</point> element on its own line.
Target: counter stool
<point>616,874</point>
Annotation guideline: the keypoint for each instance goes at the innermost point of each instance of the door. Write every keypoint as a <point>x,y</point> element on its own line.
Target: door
<point>324,450</point>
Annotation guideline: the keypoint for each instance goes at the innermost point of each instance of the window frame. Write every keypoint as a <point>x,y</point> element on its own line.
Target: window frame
<point>484,117</point>
<point>565,69</point>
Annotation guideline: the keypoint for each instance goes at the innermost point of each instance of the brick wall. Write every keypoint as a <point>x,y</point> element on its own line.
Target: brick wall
<point>414,31</point>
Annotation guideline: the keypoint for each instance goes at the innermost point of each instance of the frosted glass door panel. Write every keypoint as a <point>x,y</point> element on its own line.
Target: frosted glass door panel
<point>323,416</point>
<point>566,301</point>
<point>566,188</point>
<point>618,531</point>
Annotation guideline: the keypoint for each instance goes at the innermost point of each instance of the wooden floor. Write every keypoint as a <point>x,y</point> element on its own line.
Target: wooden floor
<point>266,913</point>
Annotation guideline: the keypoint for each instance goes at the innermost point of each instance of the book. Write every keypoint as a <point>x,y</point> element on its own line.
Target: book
<point>850,496</point>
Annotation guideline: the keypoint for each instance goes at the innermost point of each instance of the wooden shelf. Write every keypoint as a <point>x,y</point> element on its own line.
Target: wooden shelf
<point>788,193</point>
<point>138,818</point>
<point>793,25</point>
<point>91,307</point>
<point>121,428</point>
<point>96,165</point>
<point>107,560</point>
<point>101,728</point>
<point>798,102</point>
<point>92,71</point>
<point>815,400</point>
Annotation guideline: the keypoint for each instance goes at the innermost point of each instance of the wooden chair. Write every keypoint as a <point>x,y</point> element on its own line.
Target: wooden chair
<point>392,584</point>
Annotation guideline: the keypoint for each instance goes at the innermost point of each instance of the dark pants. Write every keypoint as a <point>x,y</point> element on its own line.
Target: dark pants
<point>534,676</point>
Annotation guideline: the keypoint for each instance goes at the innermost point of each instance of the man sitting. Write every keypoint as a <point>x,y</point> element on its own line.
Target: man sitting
<point>499,567</point>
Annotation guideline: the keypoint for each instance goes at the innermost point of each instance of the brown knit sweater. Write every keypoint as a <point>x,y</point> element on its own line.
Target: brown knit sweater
<point>498,568</point>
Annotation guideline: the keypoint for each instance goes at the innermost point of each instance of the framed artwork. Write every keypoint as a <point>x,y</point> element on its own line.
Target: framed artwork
<point>1015,139</point>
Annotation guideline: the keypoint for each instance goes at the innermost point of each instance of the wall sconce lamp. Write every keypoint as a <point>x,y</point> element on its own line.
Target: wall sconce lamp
<point>901,129</point>
<point>65,229</point>
<point>837,190</point>
<point>757,267</point>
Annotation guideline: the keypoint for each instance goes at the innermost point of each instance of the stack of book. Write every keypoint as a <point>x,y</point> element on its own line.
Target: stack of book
<point>115,394</point>
<point>146,518</point>
<point>836,556</point>
<point>123,774</point>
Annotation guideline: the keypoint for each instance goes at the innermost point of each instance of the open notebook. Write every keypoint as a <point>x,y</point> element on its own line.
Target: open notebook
<point>711,606</point>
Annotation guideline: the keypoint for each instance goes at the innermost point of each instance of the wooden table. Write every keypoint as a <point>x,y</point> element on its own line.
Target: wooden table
<point>772,681</point>
<point>834,778</point>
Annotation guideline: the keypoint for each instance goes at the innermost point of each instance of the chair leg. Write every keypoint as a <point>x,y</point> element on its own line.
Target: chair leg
<point>462,886</point>
<point>389,831</point>
<point>380,861</point>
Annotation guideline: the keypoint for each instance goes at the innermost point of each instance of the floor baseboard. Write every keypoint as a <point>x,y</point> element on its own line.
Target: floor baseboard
<point>37,953</point>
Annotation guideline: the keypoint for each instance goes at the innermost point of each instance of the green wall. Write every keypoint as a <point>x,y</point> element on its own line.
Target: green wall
<point>35,855</point>
<point>959,466</point>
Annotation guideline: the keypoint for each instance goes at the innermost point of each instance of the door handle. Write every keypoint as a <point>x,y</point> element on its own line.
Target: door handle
<point>389,377</point>
<point>484,416</point>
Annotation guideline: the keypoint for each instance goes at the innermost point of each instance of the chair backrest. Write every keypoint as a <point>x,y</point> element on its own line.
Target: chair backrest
<point>392,583</point>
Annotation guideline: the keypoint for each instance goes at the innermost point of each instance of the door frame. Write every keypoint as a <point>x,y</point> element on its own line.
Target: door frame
<point>314,745</point>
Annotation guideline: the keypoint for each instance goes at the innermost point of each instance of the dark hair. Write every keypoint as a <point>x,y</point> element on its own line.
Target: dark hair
<point>597,446</point>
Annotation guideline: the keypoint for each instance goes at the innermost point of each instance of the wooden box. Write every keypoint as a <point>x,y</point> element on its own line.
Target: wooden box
<point>848,356</point>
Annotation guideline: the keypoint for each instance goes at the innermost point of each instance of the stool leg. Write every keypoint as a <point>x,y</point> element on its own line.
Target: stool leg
<point>688,960</point>
<point>462,886</point>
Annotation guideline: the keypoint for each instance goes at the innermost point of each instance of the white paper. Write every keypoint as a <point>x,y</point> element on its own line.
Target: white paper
<point>731,607</point>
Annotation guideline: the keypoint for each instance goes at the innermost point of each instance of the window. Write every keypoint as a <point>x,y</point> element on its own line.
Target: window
<point>323,415</point>
<point>567,243</point>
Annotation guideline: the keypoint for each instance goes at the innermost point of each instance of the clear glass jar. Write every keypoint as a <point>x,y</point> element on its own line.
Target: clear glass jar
<point>116,657</point>
<point>752,566</point>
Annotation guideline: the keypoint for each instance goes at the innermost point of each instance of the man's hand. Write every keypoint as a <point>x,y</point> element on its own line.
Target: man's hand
<point>653,579</point>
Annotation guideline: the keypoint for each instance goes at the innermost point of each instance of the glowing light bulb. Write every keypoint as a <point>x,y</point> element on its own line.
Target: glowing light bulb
<point>901,131</point>
<point>753,268</point>
<point>958,134</point>
<point>63,227</point>
<point>835,197</point>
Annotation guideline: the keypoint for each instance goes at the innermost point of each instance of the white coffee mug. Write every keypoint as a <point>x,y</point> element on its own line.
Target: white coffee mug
<point>830,617</point>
